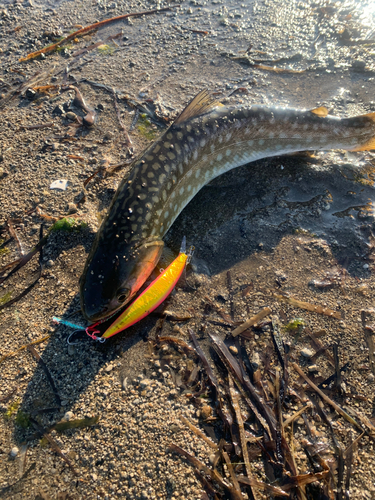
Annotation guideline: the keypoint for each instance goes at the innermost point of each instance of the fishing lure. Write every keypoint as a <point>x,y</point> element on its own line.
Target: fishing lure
<point>151,298</point>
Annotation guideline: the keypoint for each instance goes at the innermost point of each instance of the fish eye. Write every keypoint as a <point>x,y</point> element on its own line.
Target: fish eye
<point>123,294</point>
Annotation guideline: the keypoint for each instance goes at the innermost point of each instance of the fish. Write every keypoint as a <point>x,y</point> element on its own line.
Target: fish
<point>206,140</point>
<point>154,294</point>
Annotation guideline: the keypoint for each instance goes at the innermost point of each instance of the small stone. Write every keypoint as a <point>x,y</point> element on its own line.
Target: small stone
<point>71,351</point>
<point>14,452</point>
<point>312,368</point>
<point>359,65</point>
<point>370,377</point>
<point>72,208</point>
<point>109,368</point>
<point>108,136</point>
<point>30,94</point>
<point>68,415</point>
<point>49,263</point>
<point>212,458</point>
<point>58,110</point>
<point>206,412</point>
<point>94,477</point>
<point>233,349</point>
<point>71,116</point>
<point>145,383</point>
<point>365,266</point>
<point>307,353</point>
<point>255,360</point>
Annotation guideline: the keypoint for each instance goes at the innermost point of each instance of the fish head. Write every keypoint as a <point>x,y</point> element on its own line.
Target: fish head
<point>112,278</point>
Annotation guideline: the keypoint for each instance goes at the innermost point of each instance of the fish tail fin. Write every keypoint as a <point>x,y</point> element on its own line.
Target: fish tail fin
<point>370,143</point>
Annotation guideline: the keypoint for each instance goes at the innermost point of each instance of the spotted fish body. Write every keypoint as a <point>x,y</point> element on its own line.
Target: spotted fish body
<point>207,140</point>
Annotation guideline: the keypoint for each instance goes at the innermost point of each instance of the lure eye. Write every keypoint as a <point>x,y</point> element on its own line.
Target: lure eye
<point>123,294</point>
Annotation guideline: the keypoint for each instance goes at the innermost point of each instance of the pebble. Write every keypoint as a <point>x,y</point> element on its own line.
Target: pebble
<point>233,349</point>
<point>71,116</point>
<point>68,415</point>
<point>72,208</point>
<point>312,368</point>
<point>145,383</point>
<point>307,353</point>
<point>206,412</point>
<point>14,452</point>
<point>58,110</point>
<point>30,94</point>
<point>49,263</point>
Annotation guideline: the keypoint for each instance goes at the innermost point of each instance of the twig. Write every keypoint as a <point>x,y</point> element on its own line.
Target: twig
<point>13,234</point>
<point>53,444</point>
<point>22,262</point>
<point>46,371</point>
<point>296,415</point>
<point>307,306</point>
<point>251,322</point>
<point>91,27</point>
<point>39,341</point>
<point>122,126</point>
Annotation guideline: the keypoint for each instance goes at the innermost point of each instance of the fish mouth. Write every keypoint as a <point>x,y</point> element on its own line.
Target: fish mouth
<point>138,268</point>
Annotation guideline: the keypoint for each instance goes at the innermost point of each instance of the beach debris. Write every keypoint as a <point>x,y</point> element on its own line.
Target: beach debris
<point>79,423</point>
<point>37,126</point>
<point>122,126</point>
<point>22,348</point>
<point>87,29</point>
<point>90,118</point>
<point>307,306</point>
<point>59,184</point>
<point>252,321</point>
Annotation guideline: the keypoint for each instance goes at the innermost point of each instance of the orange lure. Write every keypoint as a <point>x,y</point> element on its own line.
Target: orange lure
<point>154,294</point>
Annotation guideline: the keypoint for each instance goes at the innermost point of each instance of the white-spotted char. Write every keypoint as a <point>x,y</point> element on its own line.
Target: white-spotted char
<point>205,141</point>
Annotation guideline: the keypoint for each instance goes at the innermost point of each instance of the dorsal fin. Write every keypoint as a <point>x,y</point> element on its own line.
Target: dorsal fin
<point>201,103</point>
<point>321,111</point>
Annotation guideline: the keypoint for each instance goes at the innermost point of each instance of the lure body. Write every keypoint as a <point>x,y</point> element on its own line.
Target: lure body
<point>151,298</point>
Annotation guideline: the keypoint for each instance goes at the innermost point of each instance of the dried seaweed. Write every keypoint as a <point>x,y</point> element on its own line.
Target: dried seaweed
<point>326,398</point>
<point>236,406</point>
<point>230,291</point>
<point>215,476</point>
<point>198,432</point>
